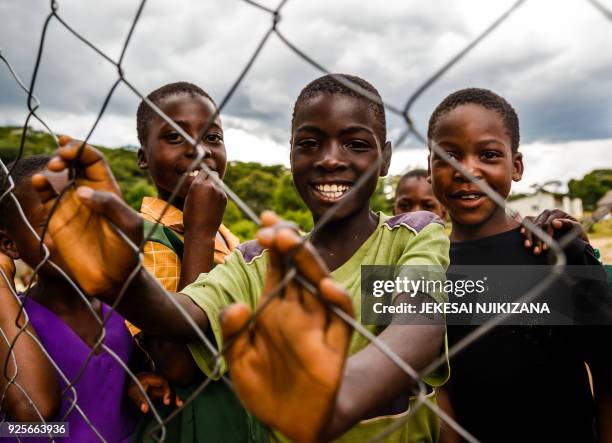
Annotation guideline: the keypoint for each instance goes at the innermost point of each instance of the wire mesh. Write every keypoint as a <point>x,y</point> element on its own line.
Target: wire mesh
<point>404,112</point>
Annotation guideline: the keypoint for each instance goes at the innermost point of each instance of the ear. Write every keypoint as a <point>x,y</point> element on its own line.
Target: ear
<point>444,214</point>
<point>7,245</point>
<point>143,162</point>
<point>429,168</point>
<point>386,159</point>
<point>517,166</point>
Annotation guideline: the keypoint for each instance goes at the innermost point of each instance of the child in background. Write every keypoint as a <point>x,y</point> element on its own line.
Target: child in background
<point>65,326</point>
<point>414,193</point>
<point>189,241</point>
<point>337,135</point>
<point>515,383</point>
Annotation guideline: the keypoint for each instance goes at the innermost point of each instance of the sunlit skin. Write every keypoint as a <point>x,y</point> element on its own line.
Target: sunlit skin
<point>167,155</point>
<point>477,138</point>
<point>415,194</point>
<point>287,371</point>
<point>335,140</point>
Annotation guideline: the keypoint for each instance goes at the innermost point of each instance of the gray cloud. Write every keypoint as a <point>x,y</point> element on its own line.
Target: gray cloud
<point>548,63</point>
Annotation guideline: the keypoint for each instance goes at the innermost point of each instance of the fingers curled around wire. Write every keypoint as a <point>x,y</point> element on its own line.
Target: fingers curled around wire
<point>283,240</point>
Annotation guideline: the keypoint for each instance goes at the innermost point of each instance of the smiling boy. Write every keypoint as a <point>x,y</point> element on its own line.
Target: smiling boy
<point>337,135</point>
<point>515,383</point>
<point>197,210</point>
<point>189,241</point>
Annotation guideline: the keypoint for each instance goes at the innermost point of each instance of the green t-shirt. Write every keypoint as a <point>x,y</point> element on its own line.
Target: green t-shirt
<point>408,239</point>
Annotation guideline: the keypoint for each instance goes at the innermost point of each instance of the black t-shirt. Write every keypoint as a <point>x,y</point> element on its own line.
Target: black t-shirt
<point>524,383</point>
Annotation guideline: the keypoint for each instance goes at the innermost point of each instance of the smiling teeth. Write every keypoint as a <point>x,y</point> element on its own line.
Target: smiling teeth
<point>469,196</point>
<point>192,173</point>
<point>332,190</point>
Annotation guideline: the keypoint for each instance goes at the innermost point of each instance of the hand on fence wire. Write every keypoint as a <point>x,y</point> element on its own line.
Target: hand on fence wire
<point>156,387</point>
<point>201,226</point>
<point>553,222</point>
<point>287,361</point>
<point>93,253</point>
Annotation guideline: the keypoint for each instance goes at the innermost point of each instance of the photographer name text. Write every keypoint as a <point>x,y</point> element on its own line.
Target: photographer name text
<point>463,308</point>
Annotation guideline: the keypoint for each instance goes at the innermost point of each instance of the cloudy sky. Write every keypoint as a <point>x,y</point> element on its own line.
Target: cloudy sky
<point>551,60</point>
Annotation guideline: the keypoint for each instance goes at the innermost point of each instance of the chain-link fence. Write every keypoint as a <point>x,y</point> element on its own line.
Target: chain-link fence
<point>10,368</point>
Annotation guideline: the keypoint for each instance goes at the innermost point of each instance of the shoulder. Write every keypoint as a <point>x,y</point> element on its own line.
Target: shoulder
<point>579,252</point>
<point>413,221</point>
<point>250,251</point>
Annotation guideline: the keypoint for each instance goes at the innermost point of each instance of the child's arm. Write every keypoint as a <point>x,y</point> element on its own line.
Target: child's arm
<point>172,360</point>
<point>288,368</point>
<point>203,211</point>
<point>362,395</point>
<point>202,215</point>
<point>97,257</point>
<point>35,374</point>
<point>447,433</point>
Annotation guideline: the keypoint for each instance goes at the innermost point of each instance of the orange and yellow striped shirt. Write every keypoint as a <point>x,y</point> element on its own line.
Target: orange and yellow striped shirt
<point>162,261</point>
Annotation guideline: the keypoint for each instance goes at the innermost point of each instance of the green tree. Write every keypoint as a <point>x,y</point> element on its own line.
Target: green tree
<point>591,187</point>
<point>133,182</point>
<point>259,186</point>
<point>382,198</point>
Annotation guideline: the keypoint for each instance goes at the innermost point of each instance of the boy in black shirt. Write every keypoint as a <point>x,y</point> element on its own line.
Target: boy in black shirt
<point>515,383</point>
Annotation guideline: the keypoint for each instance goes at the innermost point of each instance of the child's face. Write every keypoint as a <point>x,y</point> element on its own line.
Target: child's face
<point>477,138</point>
<point>415,194</point>
<point>334,142</point>
<point>167,155</point>
<point>18,241</point>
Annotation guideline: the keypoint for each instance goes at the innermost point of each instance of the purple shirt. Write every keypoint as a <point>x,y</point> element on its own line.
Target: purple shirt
<point>101,388</point>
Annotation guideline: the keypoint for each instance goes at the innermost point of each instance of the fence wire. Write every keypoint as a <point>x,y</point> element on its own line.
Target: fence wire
<point>10,367</point>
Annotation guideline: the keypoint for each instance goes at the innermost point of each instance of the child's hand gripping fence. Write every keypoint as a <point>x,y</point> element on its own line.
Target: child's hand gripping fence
<point>293,276</point>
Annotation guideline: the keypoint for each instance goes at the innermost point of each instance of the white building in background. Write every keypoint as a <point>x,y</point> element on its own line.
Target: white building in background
<point>606,200</point>
<point>534,204</point>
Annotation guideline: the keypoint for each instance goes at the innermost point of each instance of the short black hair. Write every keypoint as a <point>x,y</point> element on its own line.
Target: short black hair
<point>145,114</point>
<point>485,98</point>
<point>414,173</point>
<point>329,85</point>
<point>22,172</point>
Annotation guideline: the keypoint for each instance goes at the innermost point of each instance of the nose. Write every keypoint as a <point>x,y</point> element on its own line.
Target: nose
<point>332,158</point>
<point>470,163</point>
<point>191,152</point>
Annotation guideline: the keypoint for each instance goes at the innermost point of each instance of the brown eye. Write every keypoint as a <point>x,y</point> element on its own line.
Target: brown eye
<point>214,138</point>
<point>490,155</point>
<point>307,144</point>
<point>358,145</point>
<point>173,137</point>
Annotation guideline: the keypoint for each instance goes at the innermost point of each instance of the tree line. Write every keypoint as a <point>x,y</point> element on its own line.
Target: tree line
<point>260,186</point>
